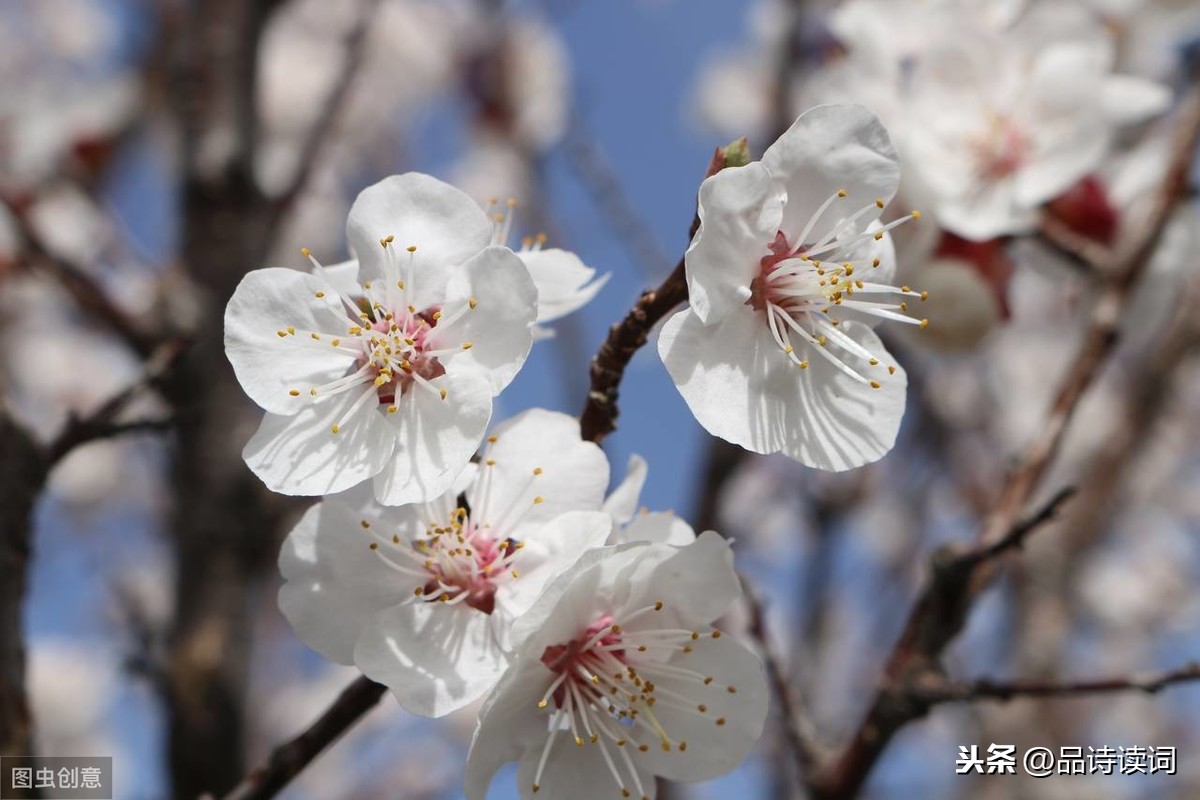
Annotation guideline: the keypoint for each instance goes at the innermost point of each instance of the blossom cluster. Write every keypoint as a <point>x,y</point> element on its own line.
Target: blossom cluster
<point>451,559</point>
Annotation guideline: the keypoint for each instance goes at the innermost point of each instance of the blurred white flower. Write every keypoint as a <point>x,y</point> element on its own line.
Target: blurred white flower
<point>785,244</point>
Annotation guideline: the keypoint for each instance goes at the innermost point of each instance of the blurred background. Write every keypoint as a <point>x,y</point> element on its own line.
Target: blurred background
<point>153,151</point>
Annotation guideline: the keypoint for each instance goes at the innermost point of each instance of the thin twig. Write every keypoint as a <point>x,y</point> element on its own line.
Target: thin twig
<point>986,689</point>
<point>941,609</point>
<point>288,760</point>
<point>102,423</point>
<point>84,290</point>
<point>599,416</point>
<point>310,151</point>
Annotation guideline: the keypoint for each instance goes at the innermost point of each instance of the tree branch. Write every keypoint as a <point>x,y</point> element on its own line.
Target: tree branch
<point>288,760</point>
<point>986,689</point>
<point>941,609</point>
<point>84,290</point>
<point>599,416</point>
<point>102,423</point>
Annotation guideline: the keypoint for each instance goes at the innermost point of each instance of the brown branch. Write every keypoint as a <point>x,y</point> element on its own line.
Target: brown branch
<point>986,689</point>
<point>84,290</point>
<point>322,128</point>
<point>599,416</point>
<point>288,760</point>
<point>102,423</point>
<point>941,610</point>
<point>1077,250</point>
<point>798,732</point>
<point>23,473</point>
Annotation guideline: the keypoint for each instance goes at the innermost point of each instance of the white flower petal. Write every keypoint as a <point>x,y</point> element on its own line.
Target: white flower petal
<point>561,279</point>
<point>622,502</point>
<point>829,148</point>
<point>742,388</point>
<point>343,276</point>
<point>580,773</point>
<point>712,749</point>
<point>435,438</point>
<point>498,328</point>
<point>740,211</point>
<point>334,582</point>
<point>299,455</point>
<point>435,658</point>
<point>573,477</point>
<point>1127,100</point>
<point>658,527</point>
<point>548,552</point>
<point>446,226</point>
<point>269,366</point>
<point>506,725</point>
<point>697,583</point>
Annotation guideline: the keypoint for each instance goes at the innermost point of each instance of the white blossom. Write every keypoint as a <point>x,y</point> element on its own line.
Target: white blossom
<point>620,677</point>
<point>421,597</point>
<point>786,273</point>
<point>391,378</point>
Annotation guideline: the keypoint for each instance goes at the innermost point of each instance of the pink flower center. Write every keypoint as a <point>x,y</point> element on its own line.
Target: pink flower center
<point>458,562</point>
<point>606,690</point>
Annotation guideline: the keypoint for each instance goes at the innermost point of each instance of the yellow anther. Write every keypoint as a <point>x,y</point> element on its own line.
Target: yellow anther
<point>467,346</point>
<point>879,202</point>
<point>365,524</point>
<point>336,342</point>
<point>878,235</point>
<point>437,315</point>
<point>294,392</point>
<point>355,330</point>
<point>923,324</point>
<point>493,439</point>
<point>412,248</point>
<point>399,284</point>
<point>874,384</point>
<point>720,722</point>
<point>537,501</point>
<point>472,303</point>
<point>320,295</point>
<point>313,391</point>
<point>875,262</point>
<point>841,192</point>
<point>916,215</point>
<point>315,337</point>
<point>374,545</point>
<point>803,365</point>
<point>304,251</point>
<point>491,462</point>
<point>335,427</point>
<point>542,704</point>
<point>891,370</point>
<point>537,470</point>
<point>924,296</point>
<point>443,393</point>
